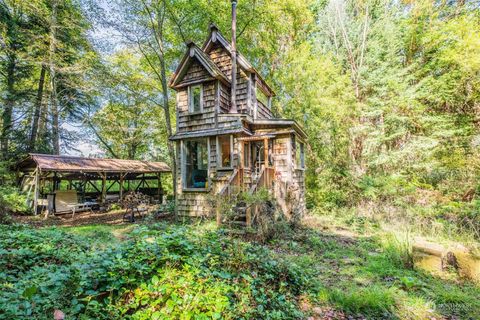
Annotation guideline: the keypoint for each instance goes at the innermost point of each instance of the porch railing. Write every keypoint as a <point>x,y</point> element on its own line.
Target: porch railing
<point>265,179</point>
<point>235,184</point>
<point>232,182</point>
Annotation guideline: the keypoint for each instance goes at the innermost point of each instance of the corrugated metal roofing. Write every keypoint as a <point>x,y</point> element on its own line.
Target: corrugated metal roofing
<point>47,162</point>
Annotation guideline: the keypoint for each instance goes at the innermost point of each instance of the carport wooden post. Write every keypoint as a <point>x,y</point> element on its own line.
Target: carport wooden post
<point>35,193</point>
<point>122,176</point>
<point>104,185</point>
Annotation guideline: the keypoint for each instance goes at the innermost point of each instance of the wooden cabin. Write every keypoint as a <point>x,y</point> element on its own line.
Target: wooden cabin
<point>226,134</point>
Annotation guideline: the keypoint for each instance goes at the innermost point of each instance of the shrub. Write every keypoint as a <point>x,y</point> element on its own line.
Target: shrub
<point>11,201</point>
<point>160,272</point>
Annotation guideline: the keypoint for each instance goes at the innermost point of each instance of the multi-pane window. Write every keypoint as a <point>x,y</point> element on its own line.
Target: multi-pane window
<point>300,154</point>
<point>299,150</point>
<point>195,162</point>
<point>246,154</point>
<point>224,146</point>
<point>195,96</point>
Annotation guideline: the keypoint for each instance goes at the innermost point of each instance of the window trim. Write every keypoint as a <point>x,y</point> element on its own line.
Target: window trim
<point>183,166</point>
<point>219,155</point>
<point>190,98</point>
<point>302,155</point>
<point>247,158</point>
<point>300,147</point>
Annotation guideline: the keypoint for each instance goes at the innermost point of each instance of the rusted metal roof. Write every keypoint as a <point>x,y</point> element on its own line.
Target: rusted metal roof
<point>47,162</point>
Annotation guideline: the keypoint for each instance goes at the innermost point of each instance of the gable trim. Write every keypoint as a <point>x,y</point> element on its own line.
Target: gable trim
<point>194,52</point>
<point>216,36</point>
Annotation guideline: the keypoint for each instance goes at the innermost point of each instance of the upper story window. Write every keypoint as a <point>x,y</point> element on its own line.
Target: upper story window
<point>225,151</point>
<point>195,99</point>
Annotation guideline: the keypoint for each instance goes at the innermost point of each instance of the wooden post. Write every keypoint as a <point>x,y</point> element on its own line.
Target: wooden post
<point>55,182</point>
<point>121,186</point>
<point>35,193</point>
<point>240,164</point>
<point>104,184</point>
<point>248,217</point>
<point>265,151</point>
<point>265,155</point>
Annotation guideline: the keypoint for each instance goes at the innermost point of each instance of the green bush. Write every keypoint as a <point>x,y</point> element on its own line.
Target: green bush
<point>160,272</point>
<point>11,201</point>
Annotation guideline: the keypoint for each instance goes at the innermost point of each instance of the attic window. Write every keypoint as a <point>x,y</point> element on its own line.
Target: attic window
<point>195,99</point>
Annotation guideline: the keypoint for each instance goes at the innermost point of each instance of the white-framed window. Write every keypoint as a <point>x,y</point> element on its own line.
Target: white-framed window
<point>195,155</point>
<point>299,154</point>
<point>225,152</point>
<point>195,98</point>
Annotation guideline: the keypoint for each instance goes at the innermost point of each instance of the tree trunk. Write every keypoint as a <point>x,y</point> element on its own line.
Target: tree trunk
<point>9,102</point>
<point>53,80</point>
<point>168,122</point>
<point>38,108</point>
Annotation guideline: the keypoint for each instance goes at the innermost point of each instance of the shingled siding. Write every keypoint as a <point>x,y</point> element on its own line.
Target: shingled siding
<point>263,112</point>
<point>298,187</point>
<point>224,98</point>
<point>242,92</point>
<point>299,194</point>
<point>188,122</point>
<point>196,72</point>
<point>222,59</point>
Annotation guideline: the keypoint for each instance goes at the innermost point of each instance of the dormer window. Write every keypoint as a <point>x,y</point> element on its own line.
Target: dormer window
<point>195,99</point>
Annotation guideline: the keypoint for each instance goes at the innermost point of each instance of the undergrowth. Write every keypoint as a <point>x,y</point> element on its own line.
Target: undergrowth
<point>161,271</point>
<point>195,271</point>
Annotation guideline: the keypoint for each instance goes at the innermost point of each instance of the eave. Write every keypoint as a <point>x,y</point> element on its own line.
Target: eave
<point>216,36</point>
<point>194,52</point>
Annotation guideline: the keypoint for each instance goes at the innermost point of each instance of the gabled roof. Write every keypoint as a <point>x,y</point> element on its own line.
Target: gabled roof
<point>194,52</point>
<point>215,36</point>
<point>200,54</point>
<point>57,163</point>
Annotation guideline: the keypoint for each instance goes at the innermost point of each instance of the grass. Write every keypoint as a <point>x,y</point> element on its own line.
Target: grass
<point>353,270</point>
<point>100,233</point>
<point>369,273</point>
<point>360,275</point>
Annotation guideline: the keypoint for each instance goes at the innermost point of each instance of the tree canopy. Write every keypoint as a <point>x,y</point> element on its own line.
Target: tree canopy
<point>388,91</point>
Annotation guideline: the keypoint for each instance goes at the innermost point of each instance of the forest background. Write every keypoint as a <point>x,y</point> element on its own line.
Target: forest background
<point>388,92</point>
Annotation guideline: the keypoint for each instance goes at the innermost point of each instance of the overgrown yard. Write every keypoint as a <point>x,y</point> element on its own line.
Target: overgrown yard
<point>174,270</point>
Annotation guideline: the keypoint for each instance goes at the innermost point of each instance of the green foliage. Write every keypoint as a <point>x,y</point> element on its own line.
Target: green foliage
<point>11,200</point>
<point>159,272</point>
<point>374,300</point>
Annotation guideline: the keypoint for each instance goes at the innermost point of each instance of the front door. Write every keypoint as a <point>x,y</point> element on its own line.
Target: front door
<point>258,156</point>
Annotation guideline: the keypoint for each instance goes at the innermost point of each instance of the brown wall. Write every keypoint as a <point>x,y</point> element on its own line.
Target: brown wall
<point>206,120</point>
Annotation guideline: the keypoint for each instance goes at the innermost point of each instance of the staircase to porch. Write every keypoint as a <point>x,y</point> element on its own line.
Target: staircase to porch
<point>241,214</point>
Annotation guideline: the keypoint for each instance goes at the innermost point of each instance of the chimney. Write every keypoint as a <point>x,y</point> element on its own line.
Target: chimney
<point>233,108</point>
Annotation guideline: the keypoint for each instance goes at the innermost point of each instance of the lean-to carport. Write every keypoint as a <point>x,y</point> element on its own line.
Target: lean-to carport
<point>93,179</point>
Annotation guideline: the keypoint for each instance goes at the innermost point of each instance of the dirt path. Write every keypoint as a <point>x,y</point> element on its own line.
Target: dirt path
<point>81,219</point>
